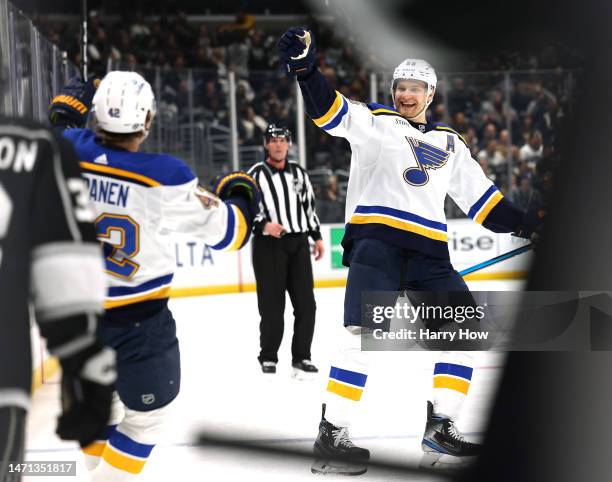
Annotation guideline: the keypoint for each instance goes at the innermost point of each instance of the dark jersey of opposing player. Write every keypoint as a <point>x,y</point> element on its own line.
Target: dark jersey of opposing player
<point>48,252</point>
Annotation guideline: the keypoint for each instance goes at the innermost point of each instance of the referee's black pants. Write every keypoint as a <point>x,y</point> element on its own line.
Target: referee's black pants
<point>284,265</point>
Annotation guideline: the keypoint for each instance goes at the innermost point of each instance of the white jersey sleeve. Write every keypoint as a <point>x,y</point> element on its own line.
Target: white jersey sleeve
<point>470,188</point>
<point>190,209</point>
<point>349,119</point>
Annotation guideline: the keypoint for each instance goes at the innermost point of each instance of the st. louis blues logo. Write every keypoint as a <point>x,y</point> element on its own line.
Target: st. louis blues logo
<point>427,157</point>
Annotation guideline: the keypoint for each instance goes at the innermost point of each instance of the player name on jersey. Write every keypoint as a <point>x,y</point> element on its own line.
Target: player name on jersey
<point>108,192</point>
<point>20,155</point>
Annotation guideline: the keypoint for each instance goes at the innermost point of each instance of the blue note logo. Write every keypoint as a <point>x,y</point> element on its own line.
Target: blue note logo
<point>427,157</point>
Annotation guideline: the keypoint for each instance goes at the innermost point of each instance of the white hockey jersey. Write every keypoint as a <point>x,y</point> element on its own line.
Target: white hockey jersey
<point>400,176</point>
<point>140,199</point>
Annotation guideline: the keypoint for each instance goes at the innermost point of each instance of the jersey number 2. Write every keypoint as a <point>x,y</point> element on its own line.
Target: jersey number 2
<point>120,236</point>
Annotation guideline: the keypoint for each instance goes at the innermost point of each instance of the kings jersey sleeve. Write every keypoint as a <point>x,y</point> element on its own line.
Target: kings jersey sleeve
<point>478,197</point>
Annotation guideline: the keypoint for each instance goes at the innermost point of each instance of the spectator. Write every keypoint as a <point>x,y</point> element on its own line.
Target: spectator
<point>532,151</point>
<point>525,196</point>
<point>494,158</point>
<point>459,97</point>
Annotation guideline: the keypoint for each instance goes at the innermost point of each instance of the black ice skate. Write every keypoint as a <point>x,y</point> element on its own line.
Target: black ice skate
<point>443,445</point>
<point>335,452</point>
<point>304,370</point>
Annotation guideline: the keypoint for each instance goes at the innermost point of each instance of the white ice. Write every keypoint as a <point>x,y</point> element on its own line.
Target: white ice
<point>224,391</point>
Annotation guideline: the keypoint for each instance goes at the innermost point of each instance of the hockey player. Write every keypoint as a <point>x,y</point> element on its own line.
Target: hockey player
<point>140,199</point>
<point>49,256</point>
<point>402,168</point>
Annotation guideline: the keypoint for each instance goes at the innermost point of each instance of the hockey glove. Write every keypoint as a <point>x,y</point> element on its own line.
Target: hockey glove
<point>239,184</point>
<point>71,106</point>
<point>86,391</point>
<point>297,50</point>
<point>531,225</point>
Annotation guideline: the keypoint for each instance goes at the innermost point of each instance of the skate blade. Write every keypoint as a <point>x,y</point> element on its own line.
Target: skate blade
<point>335,467</point>
<point>438,461</point>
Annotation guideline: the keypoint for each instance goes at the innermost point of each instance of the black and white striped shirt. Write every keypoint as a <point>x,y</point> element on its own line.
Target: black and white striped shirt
<point>287,199</point>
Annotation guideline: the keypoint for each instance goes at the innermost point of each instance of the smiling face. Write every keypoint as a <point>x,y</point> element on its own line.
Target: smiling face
<point>411,99</point>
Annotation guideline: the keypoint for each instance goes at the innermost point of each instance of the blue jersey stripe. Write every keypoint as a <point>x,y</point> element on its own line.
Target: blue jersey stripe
<point>452,369</point>
<point>229,233</point>
<point>131,290</point>
<point>483,199</point>
<point>339,116</point>
<point>347,376</point>
<point>129,446</point>
<point>402,215</point>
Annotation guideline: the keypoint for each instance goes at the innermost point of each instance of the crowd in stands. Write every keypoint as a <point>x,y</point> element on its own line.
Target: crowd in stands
<point>510,129</point>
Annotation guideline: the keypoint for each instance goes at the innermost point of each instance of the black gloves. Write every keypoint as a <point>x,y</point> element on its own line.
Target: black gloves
<point>297,50</point>
<point>239,184</point>
<point>87,386</point>
<point>71,106</point>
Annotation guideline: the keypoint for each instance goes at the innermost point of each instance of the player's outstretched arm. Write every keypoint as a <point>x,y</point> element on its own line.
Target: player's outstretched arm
<point>482,201</point>
<point>70,107</point>
<point>327,108</point>
<point>240,190</point>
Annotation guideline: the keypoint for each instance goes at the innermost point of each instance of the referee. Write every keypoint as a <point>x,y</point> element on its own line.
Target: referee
<point>281,253</point>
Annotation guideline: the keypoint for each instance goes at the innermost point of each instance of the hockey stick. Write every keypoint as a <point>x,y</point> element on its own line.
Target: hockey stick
<point>497,259</point>
<point>84,40</point>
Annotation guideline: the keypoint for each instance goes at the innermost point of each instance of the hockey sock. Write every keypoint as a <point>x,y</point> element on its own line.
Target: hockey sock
<point>347,380</point>
<point>451,382</point>
<point>128,448</point>
<point>93,452</point>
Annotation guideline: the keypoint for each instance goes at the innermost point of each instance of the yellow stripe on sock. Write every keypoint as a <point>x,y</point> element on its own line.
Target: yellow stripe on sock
<point>121,461</point>
<point>345,391</point>
<point>95,449</point>
<point>459,385</point>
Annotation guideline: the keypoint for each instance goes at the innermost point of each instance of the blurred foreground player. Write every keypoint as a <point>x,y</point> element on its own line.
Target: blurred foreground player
<point>140,199</point>
<point>402,168</point>
<point>281,253</point>
<point>49,257</point>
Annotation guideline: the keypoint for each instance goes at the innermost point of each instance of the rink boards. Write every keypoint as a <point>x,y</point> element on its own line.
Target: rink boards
<point>201,270</point>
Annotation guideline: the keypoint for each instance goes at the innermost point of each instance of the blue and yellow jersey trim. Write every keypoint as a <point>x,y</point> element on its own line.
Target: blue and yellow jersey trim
<point>452,377</point>
<point>334,115</point>
<point>120,174</point>
<point>154,289</point>
<point>126,454</point>
<point>441,127</point>
<point>481,208</point>
<point>398,219</point>
<point>380,109</point>
<point>346,383</point>
<point>237,231</point>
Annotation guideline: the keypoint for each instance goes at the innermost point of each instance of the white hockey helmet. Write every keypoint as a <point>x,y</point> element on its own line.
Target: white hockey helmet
<point>415,69</point>
<point>122,102</point>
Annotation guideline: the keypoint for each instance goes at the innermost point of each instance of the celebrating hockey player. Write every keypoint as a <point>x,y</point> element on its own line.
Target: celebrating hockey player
<point>402,168</point>
<point>140,199</point>
<point>49,257</point>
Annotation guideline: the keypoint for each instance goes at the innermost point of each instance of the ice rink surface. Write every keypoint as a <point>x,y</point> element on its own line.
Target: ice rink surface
<point>224,391</point>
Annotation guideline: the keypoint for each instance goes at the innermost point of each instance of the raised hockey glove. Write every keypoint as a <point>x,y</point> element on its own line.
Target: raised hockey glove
<point>531,225</point>
<point>297,50</point>
<point>239,184</point>
<point>72,105</point>
<point>86,393</point>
